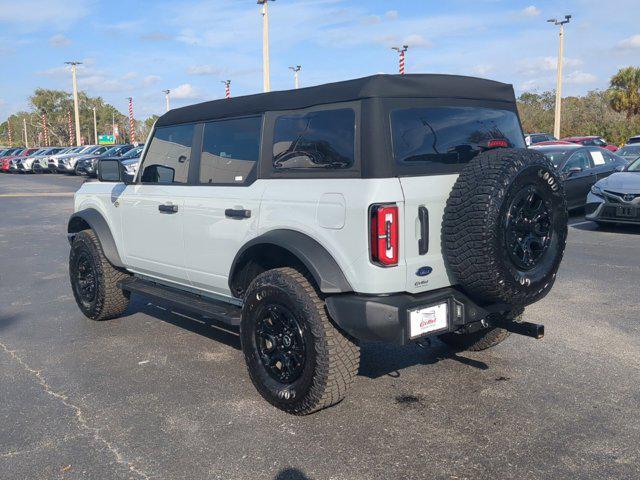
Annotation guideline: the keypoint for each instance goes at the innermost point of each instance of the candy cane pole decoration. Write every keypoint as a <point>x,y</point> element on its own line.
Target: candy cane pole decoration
<point>10,134</point>
<point>132,131</point>
<point>401,51</point>
<point>227,88</point>
<point>72,138</point>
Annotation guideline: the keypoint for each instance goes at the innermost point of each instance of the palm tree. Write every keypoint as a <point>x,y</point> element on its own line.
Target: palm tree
<point>624,91</point>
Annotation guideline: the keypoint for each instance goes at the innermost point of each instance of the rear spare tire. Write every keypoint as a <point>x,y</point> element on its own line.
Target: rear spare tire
<point>505,227</point>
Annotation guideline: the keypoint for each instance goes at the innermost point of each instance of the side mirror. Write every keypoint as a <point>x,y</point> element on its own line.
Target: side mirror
<point>112,171</point>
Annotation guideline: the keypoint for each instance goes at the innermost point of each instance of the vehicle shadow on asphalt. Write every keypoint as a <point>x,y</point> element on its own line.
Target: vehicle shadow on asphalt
<point>206,327</point>
<point>8,320</point>
<point>612,228</point>
<point>291,474</point>
<point>377,359</point>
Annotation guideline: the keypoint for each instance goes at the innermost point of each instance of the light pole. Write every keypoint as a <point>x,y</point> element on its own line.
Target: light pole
<point>26,139</point>
<point>95,126</point>
<point>265,45</point>
<point>76,111</point>
<point>45,132</point>
<point>10,133</point>
<point>166,98</point>
<point>295,70</point>
<point>401,51</point>
<point>558,113</point>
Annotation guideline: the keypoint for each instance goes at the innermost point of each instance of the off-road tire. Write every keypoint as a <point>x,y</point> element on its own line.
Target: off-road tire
<point>332,359</point>
<point>109,301</point>
<point>474,231</point>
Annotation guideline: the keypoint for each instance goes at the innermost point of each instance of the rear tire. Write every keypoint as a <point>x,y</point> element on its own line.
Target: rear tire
<point>296,358</point>
<point>94,280</point>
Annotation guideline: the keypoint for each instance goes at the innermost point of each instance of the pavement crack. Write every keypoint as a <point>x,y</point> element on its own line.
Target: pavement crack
<point>79,414</point>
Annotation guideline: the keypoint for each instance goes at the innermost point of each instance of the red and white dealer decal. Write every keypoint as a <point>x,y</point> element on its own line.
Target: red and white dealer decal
<point>429,319</point>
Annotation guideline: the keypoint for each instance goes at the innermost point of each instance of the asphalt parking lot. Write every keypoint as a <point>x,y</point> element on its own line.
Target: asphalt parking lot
<point>159,395</point>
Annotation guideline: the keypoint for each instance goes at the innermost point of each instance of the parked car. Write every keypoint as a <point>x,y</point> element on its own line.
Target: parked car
<point>6,157</point>
<point>87,165</point>
<point>15,161</point>
<point>41,165</point>
<point>581,167</point>
<point>6,161</point>
<point>390,208</point>
<point>629,152</point>
<point>66,163</point>
<point>616,199</point>
<point>54,160</point>
<point>591,141</point>
<point>534,138</point>
<point>633,140</point>
<point>129,160</point>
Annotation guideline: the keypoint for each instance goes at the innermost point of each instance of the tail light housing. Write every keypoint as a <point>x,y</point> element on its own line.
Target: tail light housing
<point>384,241</point>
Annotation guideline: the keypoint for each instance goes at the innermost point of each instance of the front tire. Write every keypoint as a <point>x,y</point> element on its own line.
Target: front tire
<point>296,358</point>
<point>94,280</point>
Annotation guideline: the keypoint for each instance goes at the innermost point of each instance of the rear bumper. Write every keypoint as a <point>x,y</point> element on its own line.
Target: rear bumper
<point>385,319</point>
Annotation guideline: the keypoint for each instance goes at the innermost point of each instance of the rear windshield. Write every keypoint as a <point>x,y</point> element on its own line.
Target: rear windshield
<point>443,139</point>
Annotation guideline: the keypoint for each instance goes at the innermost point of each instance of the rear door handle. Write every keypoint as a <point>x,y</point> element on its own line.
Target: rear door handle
<point>237,213</point>
<point>423,243</point>
<point>168,208</point>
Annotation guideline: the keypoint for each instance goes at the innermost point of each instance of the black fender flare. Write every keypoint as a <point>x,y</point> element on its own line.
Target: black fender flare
<point>318,261</point>
<point>94,219</point>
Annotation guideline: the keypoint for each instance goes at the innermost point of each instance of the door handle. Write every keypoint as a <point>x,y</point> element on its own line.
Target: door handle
<point>423,243</point>
<point>168,208</point>
<point>237,213</point>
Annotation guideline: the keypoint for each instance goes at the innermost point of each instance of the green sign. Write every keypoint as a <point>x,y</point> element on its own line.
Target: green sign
<point>106,140</point>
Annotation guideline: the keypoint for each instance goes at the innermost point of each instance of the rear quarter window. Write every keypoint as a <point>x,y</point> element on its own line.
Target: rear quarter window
<point>439,140</point>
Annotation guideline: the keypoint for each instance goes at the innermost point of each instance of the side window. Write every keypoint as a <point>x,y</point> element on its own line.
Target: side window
<point>230,150</point>
<point>167,160</point>
<point>320,140</point>
<point>578,159</point>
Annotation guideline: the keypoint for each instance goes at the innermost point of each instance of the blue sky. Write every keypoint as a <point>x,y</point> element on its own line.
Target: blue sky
<point>139,48</point>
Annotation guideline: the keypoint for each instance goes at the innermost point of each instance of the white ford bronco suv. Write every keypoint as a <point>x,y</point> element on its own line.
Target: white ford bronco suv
<point>387,209</point>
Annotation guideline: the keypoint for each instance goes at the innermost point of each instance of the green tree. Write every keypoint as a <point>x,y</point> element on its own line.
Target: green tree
<point>624,91</point>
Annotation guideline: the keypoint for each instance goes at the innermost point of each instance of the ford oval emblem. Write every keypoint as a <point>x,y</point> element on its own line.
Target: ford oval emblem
<point>424,271</point>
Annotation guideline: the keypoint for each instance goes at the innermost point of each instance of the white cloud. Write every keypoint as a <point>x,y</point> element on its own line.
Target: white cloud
<point>391,14</point>
<point>545,64</point>
<point>30,15</point>
<point>531,11</point>
<point>204,70</point>
<point>59,41</point>
<point>580,78</point>
<point>130,75</point>
<point>482,69</point>
<point>185,91</point>
<point>417,41</point>
<point>631,42</point>
<point>150,80</point>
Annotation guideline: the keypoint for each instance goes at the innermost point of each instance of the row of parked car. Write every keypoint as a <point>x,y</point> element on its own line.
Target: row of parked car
<point>604,182</point>
<point>82,160</point>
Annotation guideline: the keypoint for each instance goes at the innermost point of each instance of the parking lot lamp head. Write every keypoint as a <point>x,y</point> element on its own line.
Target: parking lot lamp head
<point>295,71</point>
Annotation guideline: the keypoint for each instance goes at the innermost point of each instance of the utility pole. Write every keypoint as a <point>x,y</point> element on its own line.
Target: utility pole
<point>76,110</point>
<point>26,139</point>
<point>95,127</point>
<point>401,51</point>
<point>166,99</point>
<point>227,88</point>
<point>558,114</point>
<point>132,130</point>
<point>265,45</point>
<point>295,70</point>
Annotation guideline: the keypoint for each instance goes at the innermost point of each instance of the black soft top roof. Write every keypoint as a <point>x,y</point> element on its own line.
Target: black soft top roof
<point>376,86</point>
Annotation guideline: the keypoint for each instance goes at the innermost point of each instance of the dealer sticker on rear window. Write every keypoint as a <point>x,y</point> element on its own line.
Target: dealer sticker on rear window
<point>429,319</point>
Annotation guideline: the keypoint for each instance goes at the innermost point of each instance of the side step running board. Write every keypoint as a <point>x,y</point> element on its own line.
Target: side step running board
<point>186,301</point>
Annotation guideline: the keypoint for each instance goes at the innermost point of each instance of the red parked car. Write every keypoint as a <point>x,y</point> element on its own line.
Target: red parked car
<point>591,141</point>
<point>6,161</point>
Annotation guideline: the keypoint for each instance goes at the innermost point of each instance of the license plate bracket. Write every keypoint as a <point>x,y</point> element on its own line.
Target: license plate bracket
<point>627,212</point>
<point>428,320</point>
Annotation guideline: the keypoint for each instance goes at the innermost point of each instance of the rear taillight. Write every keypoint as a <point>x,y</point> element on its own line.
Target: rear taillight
<point>498,144</point>
<point>384,234</point>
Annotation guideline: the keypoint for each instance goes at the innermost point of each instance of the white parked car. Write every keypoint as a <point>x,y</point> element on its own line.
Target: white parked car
<point>388,208</point>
